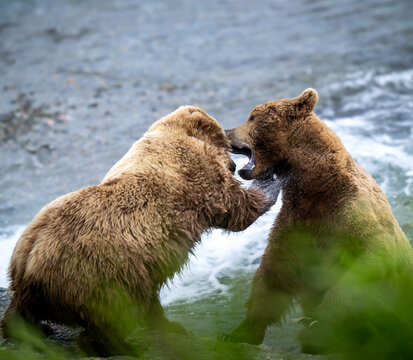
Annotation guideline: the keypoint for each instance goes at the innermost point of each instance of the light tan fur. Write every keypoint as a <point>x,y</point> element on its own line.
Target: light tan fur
<point>97,253</point>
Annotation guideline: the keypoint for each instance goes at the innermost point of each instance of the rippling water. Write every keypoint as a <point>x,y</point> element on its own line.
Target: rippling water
<point>149,57</point>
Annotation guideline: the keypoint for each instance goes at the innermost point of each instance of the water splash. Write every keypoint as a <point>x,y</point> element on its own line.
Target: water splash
<point>8,239</point>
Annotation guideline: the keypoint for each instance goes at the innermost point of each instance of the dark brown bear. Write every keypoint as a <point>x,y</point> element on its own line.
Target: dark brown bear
<point>97,257</point>
<point>335,245</point>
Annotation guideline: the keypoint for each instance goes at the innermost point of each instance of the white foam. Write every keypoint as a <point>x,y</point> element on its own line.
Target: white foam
<point>352,80</point>
<point>375,152</point>
<point>220,254</point>
<point>8,239</point>
<point>398,78</point>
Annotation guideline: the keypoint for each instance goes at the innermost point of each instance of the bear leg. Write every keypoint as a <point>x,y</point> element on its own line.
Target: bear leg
<point>309,341</point>
<point>156,319</point>
<point>267,304</point>
<point>95,342</point>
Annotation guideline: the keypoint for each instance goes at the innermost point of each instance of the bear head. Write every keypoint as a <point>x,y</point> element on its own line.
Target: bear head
<point>266,137</point>
<point>196,123</point>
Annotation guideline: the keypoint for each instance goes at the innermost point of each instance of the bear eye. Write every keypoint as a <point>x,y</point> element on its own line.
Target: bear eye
<point>252,117</point>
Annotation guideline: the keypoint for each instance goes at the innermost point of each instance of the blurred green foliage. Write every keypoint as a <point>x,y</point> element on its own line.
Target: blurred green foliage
<point>368,315</point>
<point>30,343</point>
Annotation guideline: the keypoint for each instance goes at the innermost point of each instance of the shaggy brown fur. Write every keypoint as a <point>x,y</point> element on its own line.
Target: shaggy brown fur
<point>335,221</point>
<point>104,251</point>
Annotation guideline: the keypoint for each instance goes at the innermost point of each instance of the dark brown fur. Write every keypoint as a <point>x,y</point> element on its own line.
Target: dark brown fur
<point>334,217</point>
<point>97,253</point>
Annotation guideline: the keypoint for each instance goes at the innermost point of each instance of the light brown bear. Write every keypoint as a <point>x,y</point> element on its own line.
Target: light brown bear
<point>335,245</point>
<point>97,257</point>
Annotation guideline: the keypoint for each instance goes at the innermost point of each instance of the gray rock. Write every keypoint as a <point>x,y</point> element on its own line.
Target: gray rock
<point>5,297</point>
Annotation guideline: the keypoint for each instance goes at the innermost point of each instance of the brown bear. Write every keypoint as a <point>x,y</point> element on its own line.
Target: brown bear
<point>335,246</point>
<point>97,257</point>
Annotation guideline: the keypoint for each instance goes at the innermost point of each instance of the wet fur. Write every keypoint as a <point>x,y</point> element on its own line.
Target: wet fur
<point>334,217</point>
<point>105,250</point>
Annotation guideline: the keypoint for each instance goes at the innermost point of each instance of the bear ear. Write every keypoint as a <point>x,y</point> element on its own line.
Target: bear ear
<point>306,101</point>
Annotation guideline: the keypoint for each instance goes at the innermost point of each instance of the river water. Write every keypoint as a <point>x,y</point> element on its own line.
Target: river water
<point>80,81</point>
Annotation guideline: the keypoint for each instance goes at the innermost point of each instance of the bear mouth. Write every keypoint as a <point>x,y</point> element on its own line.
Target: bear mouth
<point>247,151</point>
